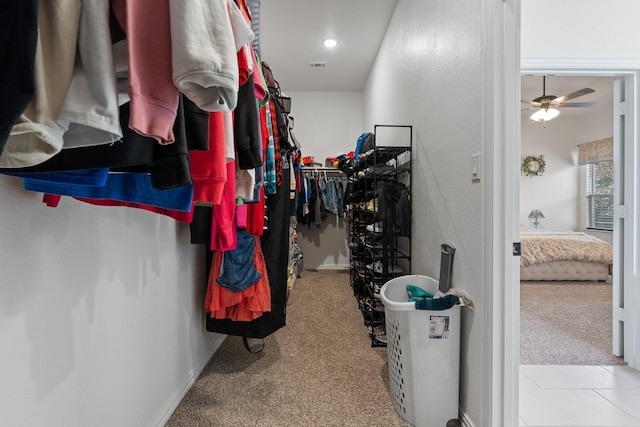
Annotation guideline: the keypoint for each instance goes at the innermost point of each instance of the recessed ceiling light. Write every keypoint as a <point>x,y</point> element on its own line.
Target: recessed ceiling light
<point>330,42</point>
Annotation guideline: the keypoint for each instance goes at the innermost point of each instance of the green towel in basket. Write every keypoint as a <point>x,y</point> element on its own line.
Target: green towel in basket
<point>417,293</point>
<point>424,300</point>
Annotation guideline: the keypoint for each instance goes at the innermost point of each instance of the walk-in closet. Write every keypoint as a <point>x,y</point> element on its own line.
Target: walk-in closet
<point>190,227</point>
<point>201,203</point>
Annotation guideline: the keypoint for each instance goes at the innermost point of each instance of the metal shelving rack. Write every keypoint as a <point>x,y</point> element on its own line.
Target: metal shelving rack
<point>379,253</point>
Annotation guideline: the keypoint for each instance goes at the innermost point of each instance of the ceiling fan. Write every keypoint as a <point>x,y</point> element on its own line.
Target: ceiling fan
<point>546,105</point>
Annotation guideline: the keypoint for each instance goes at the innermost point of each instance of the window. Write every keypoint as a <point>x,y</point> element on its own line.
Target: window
<point>600,195</point>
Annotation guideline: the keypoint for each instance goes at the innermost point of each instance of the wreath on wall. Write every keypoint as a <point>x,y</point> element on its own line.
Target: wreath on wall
<point>533,165</point>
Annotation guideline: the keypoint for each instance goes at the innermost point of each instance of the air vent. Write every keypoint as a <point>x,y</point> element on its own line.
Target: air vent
<point>317,65</point>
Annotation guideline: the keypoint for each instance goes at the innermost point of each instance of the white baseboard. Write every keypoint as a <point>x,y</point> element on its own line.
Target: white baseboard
<point>327,267</point>
<point>172,403</point>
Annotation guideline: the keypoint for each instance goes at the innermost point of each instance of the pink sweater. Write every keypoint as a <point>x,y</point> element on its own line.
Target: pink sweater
<point>154,97</point>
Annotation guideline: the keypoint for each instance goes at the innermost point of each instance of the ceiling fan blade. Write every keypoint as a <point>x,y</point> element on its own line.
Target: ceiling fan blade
<point>577,104</point>
<point>534,103</point>
<point>572,95</point>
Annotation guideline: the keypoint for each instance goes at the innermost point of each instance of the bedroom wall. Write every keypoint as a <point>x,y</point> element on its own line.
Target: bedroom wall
<point>555,192</point>
<point>581,45</point>
<point>326,123</point>
<point>559,193</point>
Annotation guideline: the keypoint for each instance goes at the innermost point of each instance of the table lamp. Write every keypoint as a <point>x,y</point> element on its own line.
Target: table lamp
<point>535,215</point>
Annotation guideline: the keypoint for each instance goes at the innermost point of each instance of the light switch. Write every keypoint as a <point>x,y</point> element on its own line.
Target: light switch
<point>475,167</point>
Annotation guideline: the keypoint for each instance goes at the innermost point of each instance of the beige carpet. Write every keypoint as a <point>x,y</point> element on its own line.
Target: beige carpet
<point>319,370</point>
<point>566,323</point>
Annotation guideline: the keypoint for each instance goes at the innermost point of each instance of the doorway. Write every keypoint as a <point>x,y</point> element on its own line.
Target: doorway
<point>625,252</point>
<point>624,127</point>
<point>576,329</point>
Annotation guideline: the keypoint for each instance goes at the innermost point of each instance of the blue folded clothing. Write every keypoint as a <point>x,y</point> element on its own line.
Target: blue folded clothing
<point>425,301</point>
<point>442,303</point>
<point>238,271</point>
<point>126,187</point>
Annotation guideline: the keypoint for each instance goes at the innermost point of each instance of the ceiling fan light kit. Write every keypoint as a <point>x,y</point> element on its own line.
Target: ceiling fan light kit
<point>545,114</point>
<point>547,105</point>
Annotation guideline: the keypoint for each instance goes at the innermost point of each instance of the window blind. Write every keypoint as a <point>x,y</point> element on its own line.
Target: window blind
<point>599,192</point>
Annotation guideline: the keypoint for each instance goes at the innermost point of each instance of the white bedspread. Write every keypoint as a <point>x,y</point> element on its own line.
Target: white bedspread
<point>539,246</point>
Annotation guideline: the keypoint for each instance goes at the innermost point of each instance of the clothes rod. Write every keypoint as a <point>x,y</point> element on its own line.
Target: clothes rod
<point>321,169</point>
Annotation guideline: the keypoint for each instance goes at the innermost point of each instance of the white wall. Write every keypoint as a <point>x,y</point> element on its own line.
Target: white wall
<point>428,74</point>
<point>555,192</point>
<point>326,123</point>
<point>101,320</point>
<point>580,29</point>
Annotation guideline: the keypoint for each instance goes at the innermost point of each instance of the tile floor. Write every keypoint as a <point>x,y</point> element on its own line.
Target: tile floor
<point>602,396</point>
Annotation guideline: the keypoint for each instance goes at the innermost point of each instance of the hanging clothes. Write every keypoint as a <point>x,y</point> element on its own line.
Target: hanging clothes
<point>205,39</point>
<point>128,187</point>
<point>274,245</point>
<point>239,306</point>
<point>167,165</point>
<point>208,167</point>
<point>256,215</point>
<point>180,216</point>
<point>162,130</point>
<point>269,170</point>
<point>246,118</point>
<point>223,228</point>
<point>154,97</point>
<point>340,198</point>
<point>237,270</point>
<point>37,136</point>
<point>18,56</point>
<point>89,112</point>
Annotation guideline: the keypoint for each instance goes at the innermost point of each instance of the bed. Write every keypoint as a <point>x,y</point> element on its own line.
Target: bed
<point>564,255</point>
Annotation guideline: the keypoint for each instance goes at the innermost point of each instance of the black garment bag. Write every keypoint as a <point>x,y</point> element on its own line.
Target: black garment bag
<point>275,248</point>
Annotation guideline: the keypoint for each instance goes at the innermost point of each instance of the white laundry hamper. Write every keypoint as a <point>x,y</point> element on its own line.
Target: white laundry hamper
<point>423,351</point>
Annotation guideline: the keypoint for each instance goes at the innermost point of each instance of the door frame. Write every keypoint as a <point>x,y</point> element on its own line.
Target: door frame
<point>502,68</point>
<point>499,201</point>
<point>630,72</point>
<point>631,275</point>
